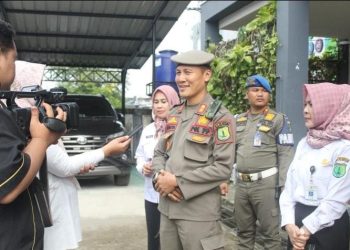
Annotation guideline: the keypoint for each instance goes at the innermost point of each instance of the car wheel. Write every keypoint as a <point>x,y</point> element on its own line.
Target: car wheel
<point>121,180</point>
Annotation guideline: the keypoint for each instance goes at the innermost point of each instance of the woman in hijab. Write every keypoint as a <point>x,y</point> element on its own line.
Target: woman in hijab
<point>163,99</point>
<point>314,202</point>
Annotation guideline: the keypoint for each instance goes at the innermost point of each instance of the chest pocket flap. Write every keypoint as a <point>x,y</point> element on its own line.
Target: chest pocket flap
<point>196,147</point>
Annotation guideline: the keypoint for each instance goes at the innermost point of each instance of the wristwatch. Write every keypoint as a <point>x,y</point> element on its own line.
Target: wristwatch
<point>154,180</point>
<point>155,177</point>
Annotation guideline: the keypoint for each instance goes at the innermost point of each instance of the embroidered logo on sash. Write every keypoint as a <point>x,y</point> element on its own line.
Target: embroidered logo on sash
<point>339,168</point>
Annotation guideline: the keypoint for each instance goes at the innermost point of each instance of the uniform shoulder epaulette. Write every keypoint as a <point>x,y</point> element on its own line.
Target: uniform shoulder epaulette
<point>213,109</point>
<point>269,116</point>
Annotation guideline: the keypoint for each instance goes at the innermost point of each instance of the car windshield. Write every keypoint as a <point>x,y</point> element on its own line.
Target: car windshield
<point>95,107</point>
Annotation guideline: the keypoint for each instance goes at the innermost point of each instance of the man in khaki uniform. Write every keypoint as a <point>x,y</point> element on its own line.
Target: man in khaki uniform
<point>264,150</point>
<point>194,156</point>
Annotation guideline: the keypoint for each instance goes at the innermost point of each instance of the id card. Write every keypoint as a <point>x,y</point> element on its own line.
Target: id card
<point>257,139</point>
<point>311,193</point>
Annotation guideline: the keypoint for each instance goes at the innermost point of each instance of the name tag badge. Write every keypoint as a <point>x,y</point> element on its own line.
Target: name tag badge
<point>257,139</point>
<point>311,193</point>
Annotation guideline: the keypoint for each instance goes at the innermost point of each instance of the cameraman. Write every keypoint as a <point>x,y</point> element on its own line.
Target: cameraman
<point>21,225</point>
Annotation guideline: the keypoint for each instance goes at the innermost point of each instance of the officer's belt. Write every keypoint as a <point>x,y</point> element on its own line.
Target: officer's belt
<point>257,176</point>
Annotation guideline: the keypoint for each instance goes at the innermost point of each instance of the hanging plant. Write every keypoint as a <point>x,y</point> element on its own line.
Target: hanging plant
<point>253,52</point>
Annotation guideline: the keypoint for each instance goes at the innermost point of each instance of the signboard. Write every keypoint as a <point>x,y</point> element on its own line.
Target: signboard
<point>318,45</point>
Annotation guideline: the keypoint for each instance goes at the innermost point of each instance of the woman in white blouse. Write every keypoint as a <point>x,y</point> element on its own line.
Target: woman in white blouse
<point>314,202</point>
<point>163,99</point>
<point>65,233</point>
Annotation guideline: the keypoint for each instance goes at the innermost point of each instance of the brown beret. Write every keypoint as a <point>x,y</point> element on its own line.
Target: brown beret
<point>193,57</point>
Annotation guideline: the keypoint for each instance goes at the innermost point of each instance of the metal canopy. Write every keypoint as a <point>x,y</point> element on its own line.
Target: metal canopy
<point>109,34</point>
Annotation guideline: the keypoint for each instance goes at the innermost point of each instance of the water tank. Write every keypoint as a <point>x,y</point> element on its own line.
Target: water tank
<point>165,69</point>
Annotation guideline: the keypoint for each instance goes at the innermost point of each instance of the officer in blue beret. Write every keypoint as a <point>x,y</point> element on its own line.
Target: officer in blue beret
<point>264,150</point>
<point>258,81</point>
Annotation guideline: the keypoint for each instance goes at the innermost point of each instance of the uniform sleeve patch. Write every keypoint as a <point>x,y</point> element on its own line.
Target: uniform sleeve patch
<point>224,132</point>
<point>285,136</point>
<point>339,168</point>
<point>286,139</point>
<point>171,123</point>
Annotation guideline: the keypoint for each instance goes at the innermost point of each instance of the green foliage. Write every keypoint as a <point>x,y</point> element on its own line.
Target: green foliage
<point>254,52</point>
<point>109,90</point>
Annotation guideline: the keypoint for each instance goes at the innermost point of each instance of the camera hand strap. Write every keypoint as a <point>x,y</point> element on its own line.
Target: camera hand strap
<point>54,124</point>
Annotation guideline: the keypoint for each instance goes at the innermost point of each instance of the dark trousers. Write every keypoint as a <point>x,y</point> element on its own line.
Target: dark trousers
<point>153,222</point>
<point>329,238</point>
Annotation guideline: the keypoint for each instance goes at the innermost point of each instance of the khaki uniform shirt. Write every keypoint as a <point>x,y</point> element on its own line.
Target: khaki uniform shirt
<point>200,153</point>
<point>264,141</point>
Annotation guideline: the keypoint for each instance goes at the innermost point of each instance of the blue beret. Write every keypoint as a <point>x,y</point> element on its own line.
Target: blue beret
<point>258,81</point>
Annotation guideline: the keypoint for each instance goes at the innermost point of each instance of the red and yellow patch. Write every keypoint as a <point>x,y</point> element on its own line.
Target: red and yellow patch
<point>171,123</point>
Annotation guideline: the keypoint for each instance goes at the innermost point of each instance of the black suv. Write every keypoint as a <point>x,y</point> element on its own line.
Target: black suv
<point>98,123</point>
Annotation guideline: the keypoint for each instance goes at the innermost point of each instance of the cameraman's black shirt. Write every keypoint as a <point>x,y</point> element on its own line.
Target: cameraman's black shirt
<point>20,223</point>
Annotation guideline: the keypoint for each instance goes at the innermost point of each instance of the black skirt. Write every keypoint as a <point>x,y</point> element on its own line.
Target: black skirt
<point>329,238</point>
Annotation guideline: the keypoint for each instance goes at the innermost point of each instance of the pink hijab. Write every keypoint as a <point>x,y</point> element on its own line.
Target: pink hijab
<point>331,113</point>
<point>172,98</point>
<point>27,74</point>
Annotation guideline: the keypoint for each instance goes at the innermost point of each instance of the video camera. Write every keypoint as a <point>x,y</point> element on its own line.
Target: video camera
<point>54,97</point>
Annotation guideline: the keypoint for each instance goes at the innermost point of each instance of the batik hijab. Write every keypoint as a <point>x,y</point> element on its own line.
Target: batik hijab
<point>172,98</point>
<point>331,113</point>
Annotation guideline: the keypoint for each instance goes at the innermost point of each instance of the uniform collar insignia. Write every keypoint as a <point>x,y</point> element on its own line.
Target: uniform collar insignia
<point>202,108</point>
